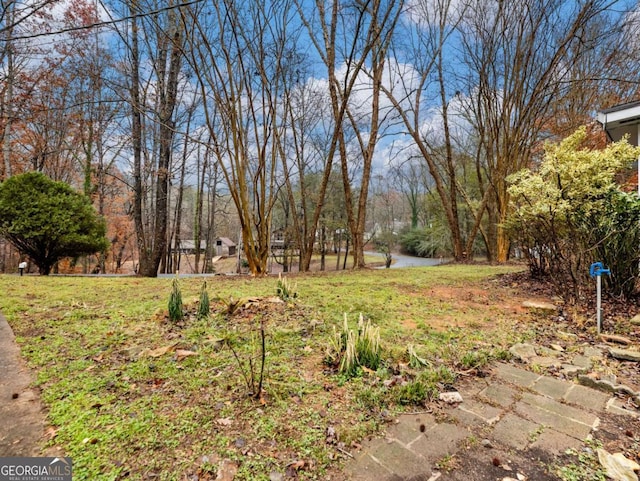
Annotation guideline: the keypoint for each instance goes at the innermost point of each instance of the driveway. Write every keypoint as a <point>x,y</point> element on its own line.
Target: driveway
<point>400,260</point>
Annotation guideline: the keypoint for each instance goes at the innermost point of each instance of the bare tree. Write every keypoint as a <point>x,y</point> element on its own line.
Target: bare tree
<point>14,14</point>
<point>520,56</point>
<point>352,40</point>
<point>487,81</point>
<point>415,90</point>
<point>381,18</point>
<point>305,164</point>
<point>241,53</point>
<point>409,179</point>
<point>163,38</point>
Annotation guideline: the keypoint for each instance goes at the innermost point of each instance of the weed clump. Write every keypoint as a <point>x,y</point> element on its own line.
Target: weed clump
<point>204,304</point>
<point>176,312</point>
<point>353,350</point>
<point>285,290</point>
<point>415,393</point>
<point>415,361</point>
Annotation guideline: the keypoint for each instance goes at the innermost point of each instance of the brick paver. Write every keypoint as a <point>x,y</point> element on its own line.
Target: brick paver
<point>515,411</point>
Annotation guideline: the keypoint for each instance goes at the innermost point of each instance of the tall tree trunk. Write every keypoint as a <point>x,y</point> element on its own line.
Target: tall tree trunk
<point>323,247</point>
<point>166,133</point>
<point>177,229</point>
<point>211,218</point>
<point>8,101</point>
<point>144,254</point>
<point>197,234</point>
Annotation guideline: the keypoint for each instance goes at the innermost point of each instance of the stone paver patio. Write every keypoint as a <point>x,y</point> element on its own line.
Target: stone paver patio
<point>508,426</point>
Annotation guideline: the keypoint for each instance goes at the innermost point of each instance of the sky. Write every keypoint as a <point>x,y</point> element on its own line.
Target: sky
<point>398,67</point>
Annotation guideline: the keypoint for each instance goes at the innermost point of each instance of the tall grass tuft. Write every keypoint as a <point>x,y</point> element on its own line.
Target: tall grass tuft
<point>285,290</point>
<point>204,305</point>
<point>176,312</point>
<point>351,350</point>
<point>368,344</point>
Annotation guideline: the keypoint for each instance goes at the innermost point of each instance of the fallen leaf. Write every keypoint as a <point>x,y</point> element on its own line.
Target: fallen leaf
<point>617,466</point>
<point>160,351</point>
<point>224,422</point>
<point>182,353</point>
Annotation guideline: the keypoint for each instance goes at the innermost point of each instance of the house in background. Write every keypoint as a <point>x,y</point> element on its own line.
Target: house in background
<point>623,120</point>
<point>225,247</point>
<point>188,246</point>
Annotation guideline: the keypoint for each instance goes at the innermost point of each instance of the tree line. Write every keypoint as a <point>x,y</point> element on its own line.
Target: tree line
<point>282,114</point>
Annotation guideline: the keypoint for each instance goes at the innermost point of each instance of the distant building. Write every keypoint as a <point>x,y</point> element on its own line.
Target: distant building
<point>188,246</point>
<point>225,247</point>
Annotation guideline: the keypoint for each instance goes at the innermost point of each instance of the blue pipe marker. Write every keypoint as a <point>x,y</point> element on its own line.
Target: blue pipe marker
<point>597,270</point>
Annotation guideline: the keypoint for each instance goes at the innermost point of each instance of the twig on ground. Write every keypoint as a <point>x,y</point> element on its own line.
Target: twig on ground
<point>345,452</point>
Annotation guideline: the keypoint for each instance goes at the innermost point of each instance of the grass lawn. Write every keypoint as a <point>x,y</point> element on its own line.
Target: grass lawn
<point>132,395</point>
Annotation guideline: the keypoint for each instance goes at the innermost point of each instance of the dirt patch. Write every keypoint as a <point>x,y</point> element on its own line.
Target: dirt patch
<point>499,297</point>
<point>478,307</point>
<point>620,434</point>
<point>482,464</point>
<point>409,324</point>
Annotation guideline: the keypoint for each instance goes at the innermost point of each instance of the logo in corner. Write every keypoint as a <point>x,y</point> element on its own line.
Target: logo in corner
<point>35,469</point>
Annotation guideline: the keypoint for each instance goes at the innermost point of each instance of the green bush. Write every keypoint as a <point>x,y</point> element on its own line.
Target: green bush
<point>616,235</point>
<point>425,241</point>
<point>48,220</point>
<point>571,212</point>
<point>416,242</point>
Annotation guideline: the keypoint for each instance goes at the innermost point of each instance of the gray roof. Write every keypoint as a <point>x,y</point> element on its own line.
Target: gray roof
<point>226,241</point>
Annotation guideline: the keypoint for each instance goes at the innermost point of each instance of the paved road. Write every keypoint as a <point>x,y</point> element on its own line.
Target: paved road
<point>400,260</point>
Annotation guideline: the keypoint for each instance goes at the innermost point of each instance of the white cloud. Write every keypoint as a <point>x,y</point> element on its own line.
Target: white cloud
<point>433,12</point>
<point>39,34</point>
<point>631,29</point>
